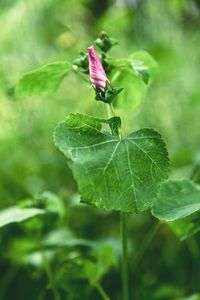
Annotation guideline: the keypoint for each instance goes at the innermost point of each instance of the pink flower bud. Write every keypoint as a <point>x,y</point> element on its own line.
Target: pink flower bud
<point>97,74</point>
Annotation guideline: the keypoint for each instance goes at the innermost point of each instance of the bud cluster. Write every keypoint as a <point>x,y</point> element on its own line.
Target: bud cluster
<point>94,65</point>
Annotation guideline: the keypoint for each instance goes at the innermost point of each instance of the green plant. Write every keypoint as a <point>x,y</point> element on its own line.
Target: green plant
<point>113,170</point>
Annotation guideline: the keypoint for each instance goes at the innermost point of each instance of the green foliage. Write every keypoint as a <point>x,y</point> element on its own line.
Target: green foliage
<point>105,259</point>
<point>82,270</point>
<point>141,63</point>
<point>108,95</point>
<point>144,65</point>
<point>16,214</point>
<point>193,297</point>
<point>134,74</point>
<point>112,173</point>
<point>104,42</point>
<point>68,234</point>
<point>176,200</point>
<point>186,227</point>
<point>50,202</point>
<point>44,80</point>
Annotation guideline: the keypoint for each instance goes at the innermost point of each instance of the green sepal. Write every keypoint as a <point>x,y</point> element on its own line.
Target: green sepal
<point>108,95</point>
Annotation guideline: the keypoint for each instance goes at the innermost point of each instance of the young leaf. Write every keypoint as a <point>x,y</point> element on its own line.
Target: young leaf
<point>141,70</point>
<point>44,80</point>
<point>112,173</point>
<point>141,63</point>
<point>15,214</point>
<point>133,74</point>
<point>176,200</point>
<point>144,65</point>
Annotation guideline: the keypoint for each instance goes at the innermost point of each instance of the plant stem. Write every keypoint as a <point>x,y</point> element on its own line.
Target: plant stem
<point>112,110</point>
<point>124,241</point>
<point>101,291</point>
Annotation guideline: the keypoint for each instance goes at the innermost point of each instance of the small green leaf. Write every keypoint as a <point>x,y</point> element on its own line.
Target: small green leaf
<point>44,80</point>
<point>176,200</point>
<point>144,65</point>
<point>115,125</point>
<point>133,74</point>
<point>15,214</point>
<point>141,70</point>
<point>141,63</point>
<point>112,173</point>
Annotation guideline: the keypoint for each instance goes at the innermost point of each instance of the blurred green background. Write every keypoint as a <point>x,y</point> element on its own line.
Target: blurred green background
<point>42,257</point>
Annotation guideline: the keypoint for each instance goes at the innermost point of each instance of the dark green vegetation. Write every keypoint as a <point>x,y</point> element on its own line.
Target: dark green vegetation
<point>64,249</point>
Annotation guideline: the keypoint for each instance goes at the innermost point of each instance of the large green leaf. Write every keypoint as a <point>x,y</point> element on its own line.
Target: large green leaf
<point>114,173</point>
<point>43,80</point>
<point>176,200</point>
<point>15,214</point>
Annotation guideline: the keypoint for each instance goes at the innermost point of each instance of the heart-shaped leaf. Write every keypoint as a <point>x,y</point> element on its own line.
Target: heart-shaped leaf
<point>113,173</point>
<point>176,200</point>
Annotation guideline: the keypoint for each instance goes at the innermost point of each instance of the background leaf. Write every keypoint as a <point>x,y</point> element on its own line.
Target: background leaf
<point>176,199</point>
<point>15,214</point>
<point>43,80</point>
<point>112,173</point>
<point>186,227</point>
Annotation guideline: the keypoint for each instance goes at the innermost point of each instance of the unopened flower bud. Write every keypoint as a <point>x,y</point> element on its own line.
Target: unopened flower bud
<point>97,73</point>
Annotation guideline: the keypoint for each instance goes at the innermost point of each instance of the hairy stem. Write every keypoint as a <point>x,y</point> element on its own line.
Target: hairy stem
<point>124,241</point>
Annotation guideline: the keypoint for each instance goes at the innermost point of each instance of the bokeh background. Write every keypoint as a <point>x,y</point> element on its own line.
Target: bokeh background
<point>47,253</point>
